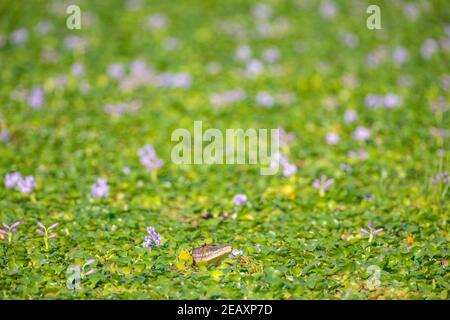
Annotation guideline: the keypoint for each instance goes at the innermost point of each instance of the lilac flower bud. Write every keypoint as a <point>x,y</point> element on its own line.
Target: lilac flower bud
<point>116,71</point>
<point>11,180</point>
<point>235,253</point>
<point>377,232</point>
<point>429,48</point>
<point>361,134</point>
<point>289,169</point>
<point>350,116</point>
<point>19,36</point>
<point>264,99</point>
<point>89,262</point>
<point>53,226</point>
<point>322,184</point>
<point>243,53</point>
<point>149,159</point>
<point>26,185</point>
<point>157,21</point>
<point>254,67</point>
<point>36,98</point>
<point>100,189</point>
<point>5,135</point>
<point>365,231</point>
<point>153,239</point>
<point>271,55</point>
<point>89,272</point>
<point>240,199</point>
<point>328,9</point>
<point>332,138</point>
<point>77,69</point>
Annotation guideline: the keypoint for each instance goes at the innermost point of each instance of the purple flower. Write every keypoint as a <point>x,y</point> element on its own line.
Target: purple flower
<point>77,69</point>
<point>285,137</point>
<point>279,159</point>
<point>44,231</point>
<point>149,159</point>
<point>371,231</point>
<point>19,36</point>
<point>271,55</point>
<point>360,154</point>
<point>119,109</point>
<point>235,253</point>
<point>328,9</point>
<point>100,189</point>
<point>175,80</point>
<point>442,177</point>
<point>227,97</point>
<point>53,226</point>
<point>332,138</point>
<point>350,39</point>
<point>240,199</point>
<point>261,11</point>
<point>153,239</point>
<point>5,135</point>
<point>88,263</point>
<point>322,184</point>
<point>374,101</point>
<point>43,27</point>
<point>392,100</point>
<point>115,109</point>
<point>400,55</point>
<point>9,230</point>
<point>13,227</point>
<point>264,99</point>
<point>126,170</point>
<point>26,185</point>
<point>36,98</point>
<point>89,272</point>
<point>411,11</point>
<point>157,21</point>
<point>254,67</point>
<point>346,168</point>
<point>289,169</point>
<point>74,42</point>
<point>243,53</point>
<point>439,105</point>
<point>429,48</point>
<point>361,134</point>
<point>116,71</point>
<point>350,116</point>
<point>23,184</point>
<point>11,180</point>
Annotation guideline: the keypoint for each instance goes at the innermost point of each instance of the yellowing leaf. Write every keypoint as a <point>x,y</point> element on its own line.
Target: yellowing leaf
<point>409,240</point>
<point>184,256</point>
<point>216,274</point>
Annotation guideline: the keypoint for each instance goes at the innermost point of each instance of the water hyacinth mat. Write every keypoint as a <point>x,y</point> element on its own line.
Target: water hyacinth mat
<point>291,149</point>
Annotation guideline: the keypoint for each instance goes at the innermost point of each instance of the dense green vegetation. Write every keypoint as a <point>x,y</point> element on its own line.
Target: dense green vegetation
<point>367,108</point>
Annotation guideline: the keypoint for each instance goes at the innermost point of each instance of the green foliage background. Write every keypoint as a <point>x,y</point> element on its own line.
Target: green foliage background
<point>310,246</point>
